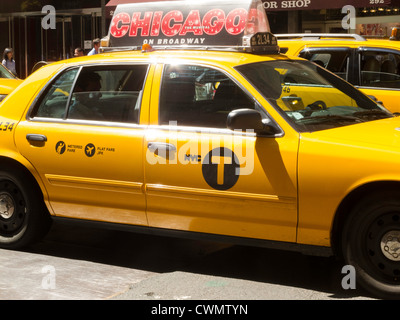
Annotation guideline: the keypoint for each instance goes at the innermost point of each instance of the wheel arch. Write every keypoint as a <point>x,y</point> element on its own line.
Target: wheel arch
<point>13,164</point>
<point>349,202</point>
<point>30,218</point>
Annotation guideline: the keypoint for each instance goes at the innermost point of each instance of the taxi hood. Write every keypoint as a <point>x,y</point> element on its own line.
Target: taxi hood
<point>383,133</point>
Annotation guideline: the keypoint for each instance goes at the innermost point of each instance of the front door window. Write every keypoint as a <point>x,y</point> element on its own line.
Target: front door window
<point>199,96</point>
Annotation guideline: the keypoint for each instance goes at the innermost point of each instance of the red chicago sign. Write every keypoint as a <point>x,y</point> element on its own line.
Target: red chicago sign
<point>174,23</point>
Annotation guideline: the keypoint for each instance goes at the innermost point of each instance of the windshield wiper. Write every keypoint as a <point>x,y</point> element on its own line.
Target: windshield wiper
<point>330,117</point>
<point>373,112</point>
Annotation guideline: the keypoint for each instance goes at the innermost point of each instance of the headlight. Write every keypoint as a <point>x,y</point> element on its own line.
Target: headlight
<point>2,96</point>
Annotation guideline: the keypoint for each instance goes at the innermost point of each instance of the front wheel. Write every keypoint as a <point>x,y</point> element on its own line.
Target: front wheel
<point>23,216</point>
<point>371,244</point>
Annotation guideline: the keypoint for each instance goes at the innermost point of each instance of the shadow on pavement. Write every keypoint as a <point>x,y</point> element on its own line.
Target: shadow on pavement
<point>164,254</point>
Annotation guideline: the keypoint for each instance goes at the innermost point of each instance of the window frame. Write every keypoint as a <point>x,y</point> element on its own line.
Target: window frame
<point>359,52</point>
<point>187,128</point>
<point>40,96</point>
<point>351,75</point>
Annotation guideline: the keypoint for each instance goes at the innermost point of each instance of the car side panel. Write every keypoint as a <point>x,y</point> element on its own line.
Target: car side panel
<point>329,170</point>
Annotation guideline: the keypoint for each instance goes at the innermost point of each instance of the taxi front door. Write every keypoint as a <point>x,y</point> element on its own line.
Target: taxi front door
<point>212,181</point>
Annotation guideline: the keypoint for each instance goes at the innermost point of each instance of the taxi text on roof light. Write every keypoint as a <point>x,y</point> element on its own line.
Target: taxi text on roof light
<point>220,25</point>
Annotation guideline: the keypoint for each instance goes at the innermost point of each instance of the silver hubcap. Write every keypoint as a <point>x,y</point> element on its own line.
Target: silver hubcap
<point>390,245</point>
<point>6,206</point>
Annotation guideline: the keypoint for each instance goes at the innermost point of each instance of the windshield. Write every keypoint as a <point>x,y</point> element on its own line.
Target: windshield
<point>310,97</point>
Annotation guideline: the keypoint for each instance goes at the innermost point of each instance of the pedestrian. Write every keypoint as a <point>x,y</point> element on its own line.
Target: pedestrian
<point>78,52</point>
<point>8,60</point>
<point>96,46</point>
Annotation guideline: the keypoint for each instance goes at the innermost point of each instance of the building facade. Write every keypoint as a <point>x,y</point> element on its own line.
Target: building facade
<point>78,22</point>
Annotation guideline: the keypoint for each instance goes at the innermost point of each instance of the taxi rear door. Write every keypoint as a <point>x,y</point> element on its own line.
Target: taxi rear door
<point>200,176</point>
<point>91,164</point>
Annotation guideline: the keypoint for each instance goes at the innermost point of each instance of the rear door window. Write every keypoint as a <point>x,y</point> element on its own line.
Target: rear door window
<point>95,93</point>
<point>379,69</point>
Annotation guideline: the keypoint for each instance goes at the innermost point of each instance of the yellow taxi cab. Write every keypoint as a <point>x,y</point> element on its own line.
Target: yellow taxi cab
<point>8,82</point>
<point>372,65</point>
<point>202,129</point>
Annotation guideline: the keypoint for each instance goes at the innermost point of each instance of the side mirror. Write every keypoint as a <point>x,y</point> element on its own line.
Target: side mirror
<point>283,50</point>
<point>250,119</point>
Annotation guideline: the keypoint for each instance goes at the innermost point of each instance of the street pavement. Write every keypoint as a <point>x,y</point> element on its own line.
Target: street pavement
<point>76,263</point>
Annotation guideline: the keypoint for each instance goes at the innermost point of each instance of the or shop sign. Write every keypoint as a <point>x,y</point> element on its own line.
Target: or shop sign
<point>275,5</point>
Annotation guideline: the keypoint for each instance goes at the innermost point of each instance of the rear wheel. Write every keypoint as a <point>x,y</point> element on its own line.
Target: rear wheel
<point>23,215</point>
<point>371,243</point>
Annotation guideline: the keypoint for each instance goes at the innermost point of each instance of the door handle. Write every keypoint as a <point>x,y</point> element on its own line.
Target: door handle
<point>161,148</point>
<point>36,137</point>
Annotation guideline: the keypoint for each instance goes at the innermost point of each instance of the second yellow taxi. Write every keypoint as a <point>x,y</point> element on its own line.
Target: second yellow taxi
<point>372,65</point>
<point>8,82</point>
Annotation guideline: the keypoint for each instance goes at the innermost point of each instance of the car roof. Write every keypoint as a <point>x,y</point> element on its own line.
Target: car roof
<point>193,56</point>
<point>352,41</point>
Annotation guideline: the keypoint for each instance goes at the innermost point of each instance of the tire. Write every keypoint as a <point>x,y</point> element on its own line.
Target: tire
<point>24,218</point>
<point>371,244</point>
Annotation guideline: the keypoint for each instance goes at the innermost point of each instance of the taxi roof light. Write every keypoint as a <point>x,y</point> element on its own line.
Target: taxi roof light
<point>395,34</point>
<point>147,48</point>
<point>229,25</point>
<point>257,20</point>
